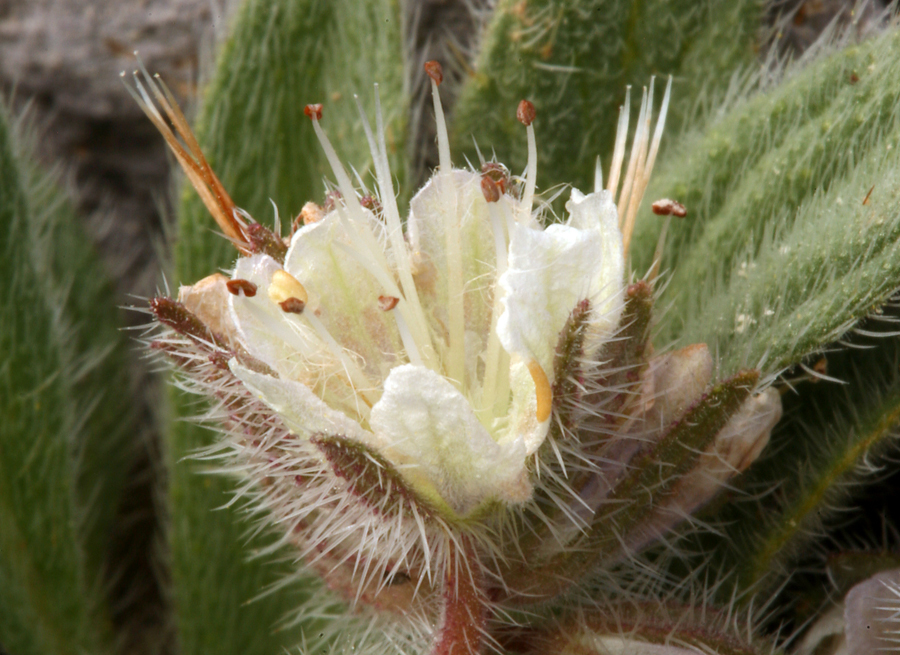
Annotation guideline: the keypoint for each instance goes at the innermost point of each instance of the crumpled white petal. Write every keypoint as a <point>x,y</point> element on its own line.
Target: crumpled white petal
<point>428,429</point>
<point>551,270</point>
<point>342,293</point>
<point>426,229</point>
<point>302,411</point>
<point>268,333</point>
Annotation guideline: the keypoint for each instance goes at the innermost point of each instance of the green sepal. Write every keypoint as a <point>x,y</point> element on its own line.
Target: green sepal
<point>626,356</point>
<point>660,465</point>
<point>830,444</point>
<point>681,626</point>
<point>650,478</point>
<point>373,479</point>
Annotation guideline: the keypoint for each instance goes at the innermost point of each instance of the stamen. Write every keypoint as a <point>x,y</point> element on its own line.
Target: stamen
<point>371,254</point>
<point>526,114</point>
<point>292,306</point>
<point>344,184</point>
<point>287,292</point>
<point>615,167</point>
<point>542,389</point>
<point>455,362</point>
<point>436,73</point>
<point>495,387</point>
<point>388,284</point>
<point>490,189</point>
<point>598,175</point>
<point>387,303</point>
<point>668,207</point>
<point>418,331</point>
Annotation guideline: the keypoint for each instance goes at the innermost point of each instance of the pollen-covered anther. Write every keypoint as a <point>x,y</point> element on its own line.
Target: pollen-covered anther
<point>542,389</point>
<point>313,111</point>
<point>525,113</point>
<point>286,287</point>
<point>435,71</point>
<point>490,189</point>
<point>387,303</point>
<point>669,207</point>
<point>238,287</point>
<point>311,213</point>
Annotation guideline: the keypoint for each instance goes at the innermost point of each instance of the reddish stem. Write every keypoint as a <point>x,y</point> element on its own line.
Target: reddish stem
<point>465,613</point>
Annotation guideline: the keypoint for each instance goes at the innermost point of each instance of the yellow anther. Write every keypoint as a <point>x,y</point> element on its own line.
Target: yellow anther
<point>285,286</point>
<point>543,390</point>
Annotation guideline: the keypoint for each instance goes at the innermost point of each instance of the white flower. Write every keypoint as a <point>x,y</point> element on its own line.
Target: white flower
<point>434,346</point>
<point>453,384</point>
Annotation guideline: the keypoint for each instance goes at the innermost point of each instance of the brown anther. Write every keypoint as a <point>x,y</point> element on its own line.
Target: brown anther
<point>387,303</point>
<point>311,213</point>
<point>292,306</point>
<point>868,195</point>
<point>854,78</point>
<point>371,203</point>
<point>331,199</point>
<point>668,207</point>
<point>435,71</point>
<point>490,189</point>
<point>525,113</point>
<point>498,172</point>
<point>313,111</point>
<point>238,286</point>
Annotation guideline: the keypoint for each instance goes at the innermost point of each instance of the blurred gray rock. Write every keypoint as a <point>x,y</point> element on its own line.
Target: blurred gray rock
<point>60,60</point>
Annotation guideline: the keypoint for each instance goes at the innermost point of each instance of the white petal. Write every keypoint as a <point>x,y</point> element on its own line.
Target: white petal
<point>426,223</point>
<point>343,293</point>
<point>430,432</point>
<point>872,614</point>
<point>303,413</point>
<point>271,336</point>
<point>551,271</point>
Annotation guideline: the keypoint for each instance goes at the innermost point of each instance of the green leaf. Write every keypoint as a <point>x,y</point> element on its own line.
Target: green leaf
<point>783,248</point>
<point>64,444</point>
<point>280,57</point>
<point>836,438</point>
<point>573,60</point>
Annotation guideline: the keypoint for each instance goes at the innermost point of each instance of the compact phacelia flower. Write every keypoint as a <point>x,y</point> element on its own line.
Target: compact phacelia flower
<point>459,413</point>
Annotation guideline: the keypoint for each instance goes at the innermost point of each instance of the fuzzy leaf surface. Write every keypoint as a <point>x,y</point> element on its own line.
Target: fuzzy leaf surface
<point>64,442</point>
<point>777,188</point>
<point>837,438</point>
<point>573,60</point>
